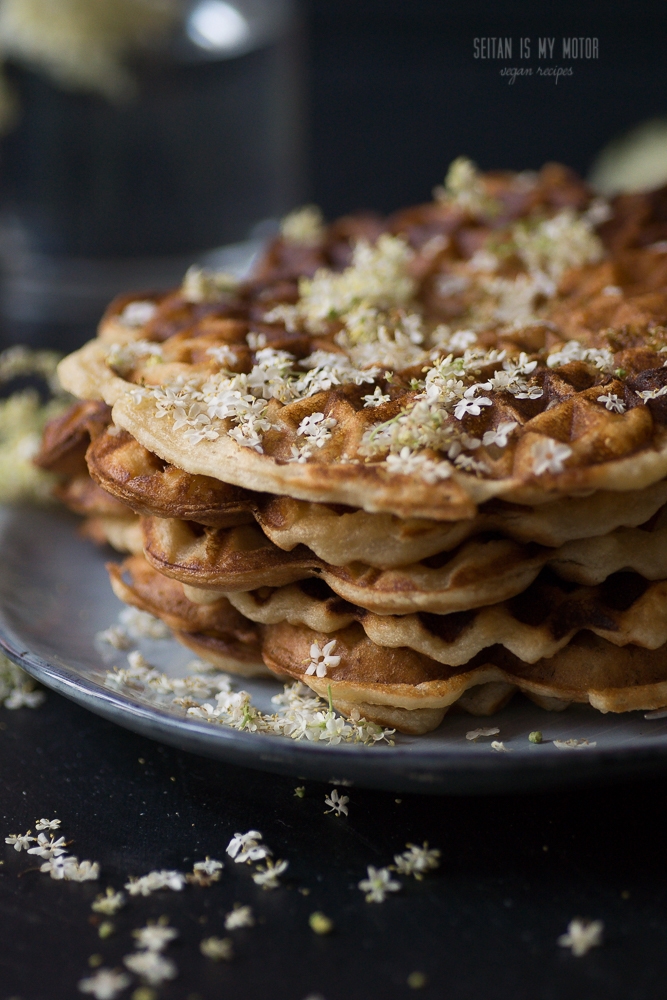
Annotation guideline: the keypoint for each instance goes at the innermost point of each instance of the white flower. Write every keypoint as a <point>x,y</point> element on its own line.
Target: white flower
<point>240,916</point>
<point>208,867</point>
<point>219,949</point>
<point>154,937</point>
<point>338,803</point>
<point>19,841</point>
<point>142,625</point>
<point>137,313</point>
<point>474,734</point>
<point>652,393</point>
<point>470,404</point>
<point>61,867</point>
<point>612,402</point>
<point>109,903</point>
<point>151,966</point>
<point>378,884</point>
<point>573,744</point>
<point>407,463</point>
<point>582,935</point>
<point>47,824</point>
<point>500,434</point>
<point>84,871</point>
<point>23,696</point>
<point>106,984</point>
<point>417,860</point>
<point>155,880</point>
<point>223,354</point>
<point>500,746</point>
<point>48,848</point>
<point>549,456</point>
<point>322,659</point>
<point>376,398</point>
<point>267,877</point>
<point>316,428</point>
<point>245,847</point>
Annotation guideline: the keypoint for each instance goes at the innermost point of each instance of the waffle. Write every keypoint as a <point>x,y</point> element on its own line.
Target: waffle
<point>406,682</point>
<point>149,486</point>
<point>438,440</point>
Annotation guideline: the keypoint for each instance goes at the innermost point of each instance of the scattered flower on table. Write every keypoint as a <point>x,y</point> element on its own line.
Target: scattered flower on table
<point>582,935</point>
<point>48,848</point>
<point>155,880</point>
<point>239,916</point>
<point>70,869</point>
<point>106,984</point>
<point>573,744</point>
<point>417,860</point>
<point>338,803</point>
<point>19,841</point>
<point>378,884</point>
<point>500,746</point>
<point>300,791</point>
<point>246,847</point>
<point>218,949</point>
<point>151,966</point>
<point>154,937</point>
<point>267,877</point>
<point>47,824</point>
<point>109,903</point>
<point>475,734</point>
<point>209,867</point>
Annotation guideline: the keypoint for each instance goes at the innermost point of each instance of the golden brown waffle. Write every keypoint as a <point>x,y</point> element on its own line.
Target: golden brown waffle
<point>122,533</point>
<point>482,571</point>
<point>534,625</point>
<point>149,486</point>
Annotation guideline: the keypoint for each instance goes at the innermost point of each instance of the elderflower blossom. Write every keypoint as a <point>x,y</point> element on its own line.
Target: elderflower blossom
<point>151,966</point>
<point>209,867</point>
<point>154,937</point>
<point>612,402</point>
<point>154,881</point>
<point>19,841</point>
<point>122,358</point>
<point>648,394</point>
<point>552,246</point>
<point>218,949</point>
<point>417,860</point>
<point>304,226</point>
<point>378,276</point>
<point>17,689</point>
<point>202,285</point>
<point>338,803</point>
<point>246,847</point>
<point>582,935</point>
<point>106,984</point>
<point>267,876</point>
<point>322,659</point>
<point>239,916</point>
<point>48,847</point>
<point>603,359</point>
<point>137,313</point>
<point>47,824</point>
<point>407,463</point>
<point>109,903</point>
<point>549,456</point>
<point>499,436</point>
<point>378,884</point>
<point>376,398</point>
<point>71,869</point>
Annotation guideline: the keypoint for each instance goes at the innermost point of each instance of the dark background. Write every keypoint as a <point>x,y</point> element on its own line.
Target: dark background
<point>393,94</point>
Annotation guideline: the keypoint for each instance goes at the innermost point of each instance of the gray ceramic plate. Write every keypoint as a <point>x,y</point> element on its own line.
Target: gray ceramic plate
<point>55,597</point>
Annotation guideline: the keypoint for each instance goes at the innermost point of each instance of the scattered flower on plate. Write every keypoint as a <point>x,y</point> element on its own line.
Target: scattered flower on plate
<point>475,734</point>
<point>378,884</point>
<point>417,860</point>
<point>246,847</point>
<point>267,876</point>
<point>337,803</point>
<point>239,916</point>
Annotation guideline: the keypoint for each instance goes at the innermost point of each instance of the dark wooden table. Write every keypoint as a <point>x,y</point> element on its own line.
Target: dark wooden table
<point>514,871</point>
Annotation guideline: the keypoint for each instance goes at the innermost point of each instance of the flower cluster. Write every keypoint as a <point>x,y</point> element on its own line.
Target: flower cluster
<point>122,358</point>
<point>17,689</point>
<point>53,851</point>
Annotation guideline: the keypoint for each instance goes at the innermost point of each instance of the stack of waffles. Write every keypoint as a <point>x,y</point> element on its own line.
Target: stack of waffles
<point>416,462</point>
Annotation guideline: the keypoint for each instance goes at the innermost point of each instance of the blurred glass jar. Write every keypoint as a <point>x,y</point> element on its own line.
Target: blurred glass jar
<point>136,141</point>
